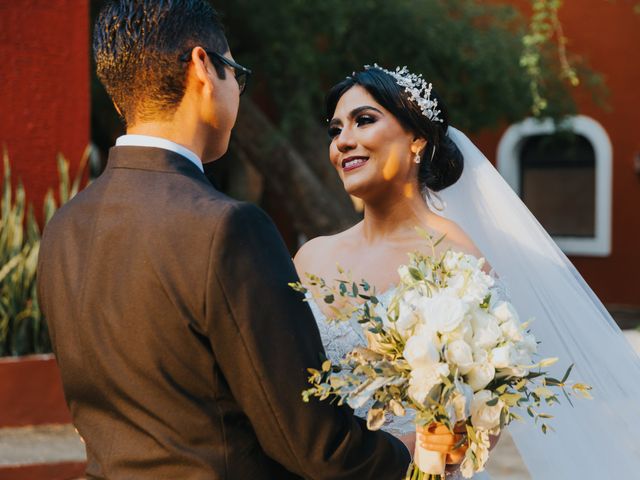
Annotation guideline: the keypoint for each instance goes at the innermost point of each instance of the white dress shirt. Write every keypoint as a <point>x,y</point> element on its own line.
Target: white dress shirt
<point>149,141</point>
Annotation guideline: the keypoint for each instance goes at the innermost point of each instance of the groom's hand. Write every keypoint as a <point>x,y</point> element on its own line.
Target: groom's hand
<point>438,438</point>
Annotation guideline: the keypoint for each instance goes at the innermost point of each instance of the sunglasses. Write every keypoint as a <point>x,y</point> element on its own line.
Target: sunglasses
<point>241,73</point>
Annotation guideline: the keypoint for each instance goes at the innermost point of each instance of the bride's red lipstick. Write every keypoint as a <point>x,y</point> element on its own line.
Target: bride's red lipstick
<point>351,163</point>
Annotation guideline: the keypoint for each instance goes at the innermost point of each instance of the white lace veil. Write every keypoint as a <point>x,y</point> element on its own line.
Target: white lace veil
<point>598,438</point>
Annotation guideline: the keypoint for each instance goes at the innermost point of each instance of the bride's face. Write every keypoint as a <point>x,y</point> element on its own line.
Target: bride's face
<point>369,147</point>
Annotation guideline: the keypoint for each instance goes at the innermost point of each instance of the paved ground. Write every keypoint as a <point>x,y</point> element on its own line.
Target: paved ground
<point>61,443</point>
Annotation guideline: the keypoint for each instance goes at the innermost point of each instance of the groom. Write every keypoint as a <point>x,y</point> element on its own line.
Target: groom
<point>183,351</point>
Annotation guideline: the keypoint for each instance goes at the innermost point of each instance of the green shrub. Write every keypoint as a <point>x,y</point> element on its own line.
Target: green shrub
<point>23,329</point>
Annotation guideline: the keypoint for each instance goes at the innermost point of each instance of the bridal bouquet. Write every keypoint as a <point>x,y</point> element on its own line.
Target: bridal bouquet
<point>443,346</point>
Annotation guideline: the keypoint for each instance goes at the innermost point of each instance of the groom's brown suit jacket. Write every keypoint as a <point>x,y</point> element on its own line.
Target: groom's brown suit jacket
<point>183,351</point>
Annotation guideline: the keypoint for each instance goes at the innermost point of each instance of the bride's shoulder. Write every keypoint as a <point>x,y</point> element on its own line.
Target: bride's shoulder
<point>319,248</point>
<point>456,238</point>
<point>313,254</point>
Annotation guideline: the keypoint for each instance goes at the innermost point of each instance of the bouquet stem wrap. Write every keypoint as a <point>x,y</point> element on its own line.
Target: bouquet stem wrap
<point>428,461</point>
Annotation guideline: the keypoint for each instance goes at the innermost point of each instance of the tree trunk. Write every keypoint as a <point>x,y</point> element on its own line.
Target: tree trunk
<point>314,208</point>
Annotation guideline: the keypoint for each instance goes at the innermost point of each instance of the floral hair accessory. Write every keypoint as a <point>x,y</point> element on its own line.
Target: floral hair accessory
<point>418,89</point>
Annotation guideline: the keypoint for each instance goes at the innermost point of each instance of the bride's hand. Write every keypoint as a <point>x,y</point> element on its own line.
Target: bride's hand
<point>438,438</point>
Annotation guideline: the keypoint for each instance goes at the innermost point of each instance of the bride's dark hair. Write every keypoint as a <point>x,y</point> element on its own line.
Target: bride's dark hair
<point>446,167</point>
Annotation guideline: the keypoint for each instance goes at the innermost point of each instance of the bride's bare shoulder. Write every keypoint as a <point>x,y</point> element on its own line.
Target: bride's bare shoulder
<point>313,254</point>
<point>456,238</point>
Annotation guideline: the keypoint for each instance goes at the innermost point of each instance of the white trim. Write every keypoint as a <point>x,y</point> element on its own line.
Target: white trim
<point>508,164</point>
<point>134,140</point>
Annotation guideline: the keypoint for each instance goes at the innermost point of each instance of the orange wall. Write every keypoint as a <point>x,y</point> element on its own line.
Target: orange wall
<point>607,34</point>
<point>44,88</point>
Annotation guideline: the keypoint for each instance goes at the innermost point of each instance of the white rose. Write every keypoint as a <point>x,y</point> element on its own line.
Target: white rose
<point>456,285</point>
<point>512,330</point>
<point>480,356</point>
<point>407,319</point>
<point>471,262</point>
<point>459,353</point>
<point>476,288</point>
<point>461,402</point>
<point>483,416</point>
<point>421,351</point>
<point>451,260</point>
<point>503,356</point>
<point>520,359</point>
<point>504,312</point>
<point>443,312</point>
<point>464,331</point>
<point>423,380</point>
<point>480,375</point>
<point>486,331</point>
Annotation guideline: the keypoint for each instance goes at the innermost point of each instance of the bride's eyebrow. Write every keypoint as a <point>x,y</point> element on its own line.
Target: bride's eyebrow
<point>353,113</point>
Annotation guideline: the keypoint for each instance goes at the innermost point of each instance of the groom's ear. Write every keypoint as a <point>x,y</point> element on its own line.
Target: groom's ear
<point>202,68</point>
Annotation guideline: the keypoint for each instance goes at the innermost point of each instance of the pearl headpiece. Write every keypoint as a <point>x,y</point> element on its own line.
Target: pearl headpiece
<point>418,89</point>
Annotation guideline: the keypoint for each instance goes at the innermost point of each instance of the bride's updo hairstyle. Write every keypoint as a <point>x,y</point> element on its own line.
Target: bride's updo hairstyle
<point>446,167</point>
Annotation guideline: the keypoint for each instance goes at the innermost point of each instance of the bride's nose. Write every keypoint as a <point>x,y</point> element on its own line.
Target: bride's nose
<point>346,141</point>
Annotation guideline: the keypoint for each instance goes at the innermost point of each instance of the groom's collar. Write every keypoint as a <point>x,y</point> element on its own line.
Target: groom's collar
<point>159,142</point>
<point>151,158</point>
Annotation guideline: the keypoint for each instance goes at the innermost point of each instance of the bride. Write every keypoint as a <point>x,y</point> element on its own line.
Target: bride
<point>393,148</point>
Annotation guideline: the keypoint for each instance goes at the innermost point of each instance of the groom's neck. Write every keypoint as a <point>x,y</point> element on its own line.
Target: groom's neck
<point>182,135</point>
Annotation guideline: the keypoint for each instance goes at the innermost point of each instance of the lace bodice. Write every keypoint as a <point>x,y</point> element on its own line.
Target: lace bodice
<point>339,339</point>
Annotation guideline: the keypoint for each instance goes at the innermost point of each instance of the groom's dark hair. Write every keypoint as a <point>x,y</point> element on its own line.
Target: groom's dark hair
<point>137,46</point>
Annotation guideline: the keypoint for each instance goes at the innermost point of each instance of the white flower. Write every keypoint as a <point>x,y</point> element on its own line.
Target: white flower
<point>504,356</point>
<point>486,331</point>
<point>504,312</point>
<point>451,260</point>
<point>466,467</point>
<point>423,380</point>
<point>443,312</point>
<point>421,351</point>
<point>483,416</point>
<point>480,356</point>
<point>461,402</point>
<point>460,261</point>
<point>478,287</point>
<point>520,359</point>
<point>464,331</point>
<point>480,452</point>
<point>480,375</point>
<point>407,319</point>
<point>459,353</point>
<point>511,329</point>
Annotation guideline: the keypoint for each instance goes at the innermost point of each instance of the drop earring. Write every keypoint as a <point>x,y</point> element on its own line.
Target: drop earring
<point>417,158</point>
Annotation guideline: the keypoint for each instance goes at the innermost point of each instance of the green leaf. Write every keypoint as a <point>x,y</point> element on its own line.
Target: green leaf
<point>568,372</point>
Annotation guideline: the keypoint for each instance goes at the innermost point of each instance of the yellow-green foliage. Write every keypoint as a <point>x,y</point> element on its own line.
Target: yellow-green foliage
<point>23,329</point>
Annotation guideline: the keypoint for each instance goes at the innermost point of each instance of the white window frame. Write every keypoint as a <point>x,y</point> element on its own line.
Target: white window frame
<point>510,147</point>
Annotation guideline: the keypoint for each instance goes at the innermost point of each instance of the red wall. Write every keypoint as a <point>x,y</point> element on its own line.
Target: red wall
<point>44,88</point>
<point>607,34</point>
